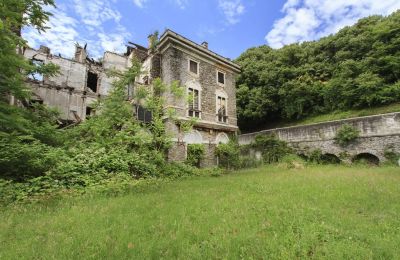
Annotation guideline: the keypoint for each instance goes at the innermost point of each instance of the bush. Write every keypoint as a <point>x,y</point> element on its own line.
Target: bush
<point>315,156</point>
<point>195,153</point>
<point>292,161</point>
<point>391,156</point>
<point>272,149</point>
<point>346,135</point>
<point>228,155</point>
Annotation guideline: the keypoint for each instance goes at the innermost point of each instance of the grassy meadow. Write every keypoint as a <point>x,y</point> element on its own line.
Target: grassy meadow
<point>336,212</point>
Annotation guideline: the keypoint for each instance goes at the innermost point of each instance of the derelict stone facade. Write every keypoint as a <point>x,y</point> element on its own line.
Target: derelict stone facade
<point>82,81</point>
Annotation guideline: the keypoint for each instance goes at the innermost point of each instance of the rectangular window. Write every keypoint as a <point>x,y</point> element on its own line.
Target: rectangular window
<point>221,109</point>
<point>194,103</point>
<point>143,115</point>
<point>92,81</point>
<point>193,67</point>
<point>221,78</point>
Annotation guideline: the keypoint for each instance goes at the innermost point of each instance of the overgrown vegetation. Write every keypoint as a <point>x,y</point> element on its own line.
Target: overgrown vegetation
<point>271,148</point>
<point>356,68</point>
<point>195,153</point>
<point>346,134</point>
<point>334,212</point>
<point>228,155</point>
<point>37,158</point>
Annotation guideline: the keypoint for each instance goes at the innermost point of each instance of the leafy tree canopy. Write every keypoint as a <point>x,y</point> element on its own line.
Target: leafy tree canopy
<point>359,67</point>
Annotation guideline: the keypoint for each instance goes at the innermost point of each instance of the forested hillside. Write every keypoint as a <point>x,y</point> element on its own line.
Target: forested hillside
<point>359,67</point>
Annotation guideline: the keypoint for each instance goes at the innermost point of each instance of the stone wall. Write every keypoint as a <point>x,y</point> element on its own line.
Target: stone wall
<point>378,133</point>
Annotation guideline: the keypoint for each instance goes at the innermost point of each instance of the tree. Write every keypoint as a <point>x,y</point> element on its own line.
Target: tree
<point>356,68</point>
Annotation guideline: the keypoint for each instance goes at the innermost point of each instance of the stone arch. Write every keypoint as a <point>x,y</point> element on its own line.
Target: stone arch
<point>330,158</point>
<point>193,137</point>
<point>193,84</point>
<point>366,157</point>
<point>222,138</point>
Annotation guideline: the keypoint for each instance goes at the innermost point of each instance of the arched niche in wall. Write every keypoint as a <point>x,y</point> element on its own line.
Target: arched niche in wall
<point>194,137</point>
<point>222,138</point>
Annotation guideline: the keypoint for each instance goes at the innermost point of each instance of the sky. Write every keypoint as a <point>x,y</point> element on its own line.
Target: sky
<point>229,26</point>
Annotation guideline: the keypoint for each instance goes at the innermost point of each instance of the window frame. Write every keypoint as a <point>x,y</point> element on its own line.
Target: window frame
<point>198,67</point>
<point>223,73</point>
<point>225,116</point>
<point>193,110</point>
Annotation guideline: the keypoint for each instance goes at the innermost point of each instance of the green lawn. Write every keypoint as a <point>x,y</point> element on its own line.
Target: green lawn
<point>326,211</point>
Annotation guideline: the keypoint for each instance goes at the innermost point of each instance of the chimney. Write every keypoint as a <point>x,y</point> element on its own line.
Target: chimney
<point>205,45</point>
<point>80,53</point>
<point>44,49</point>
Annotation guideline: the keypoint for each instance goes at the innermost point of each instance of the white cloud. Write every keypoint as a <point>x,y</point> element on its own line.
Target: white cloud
<point>96,23</point>
<point>96,12</point>
<point>311,19</point>
<point>232,10</point>
<point>139,3</point>
<point>60,38</point>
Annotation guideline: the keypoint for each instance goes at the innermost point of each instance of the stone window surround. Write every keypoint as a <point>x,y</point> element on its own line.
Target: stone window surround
<point>198,67</point>
<point>221,94</point>
<point>219,83</point>
<point>198,88</point>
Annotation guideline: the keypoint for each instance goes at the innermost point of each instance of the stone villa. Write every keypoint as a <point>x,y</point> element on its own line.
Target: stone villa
<point>207,76</point>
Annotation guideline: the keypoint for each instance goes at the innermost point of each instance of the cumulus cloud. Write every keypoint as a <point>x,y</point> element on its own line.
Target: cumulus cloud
<point>306,20</point>
<point>95,22</point>
<point>60,38</point>
<point>232,10</point>
<point>96,12</point>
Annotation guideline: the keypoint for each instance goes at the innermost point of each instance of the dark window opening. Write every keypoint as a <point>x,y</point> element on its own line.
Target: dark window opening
<point>92,81</point>
<point>221,109</point>
<point>194,103</point>
<point>89,111</point>
<point>144,115</point>
<point>221,78</point>
<point>146,80</point>
<point>193,67</point>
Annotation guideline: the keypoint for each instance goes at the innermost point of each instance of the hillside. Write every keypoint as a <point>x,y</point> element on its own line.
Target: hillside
<point>357,68</point>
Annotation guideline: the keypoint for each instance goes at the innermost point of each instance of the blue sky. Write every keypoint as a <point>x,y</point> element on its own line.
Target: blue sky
<point>229,26</point>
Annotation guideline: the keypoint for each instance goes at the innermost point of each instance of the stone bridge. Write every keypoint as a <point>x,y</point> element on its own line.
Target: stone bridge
<point>378,134</point>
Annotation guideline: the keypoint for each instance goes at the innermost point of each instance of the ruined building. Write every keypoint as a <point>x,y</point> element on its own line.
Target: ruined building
<point>207,76</point>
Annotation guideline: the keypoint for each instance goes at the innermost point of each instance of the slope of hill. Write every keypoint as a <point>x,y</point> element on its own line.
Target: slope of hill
<point>357,68</point>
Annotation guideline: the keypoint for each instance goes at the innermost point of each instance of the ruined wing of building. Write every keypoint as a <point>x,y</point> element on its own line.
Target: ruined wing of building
<point>208,77</point>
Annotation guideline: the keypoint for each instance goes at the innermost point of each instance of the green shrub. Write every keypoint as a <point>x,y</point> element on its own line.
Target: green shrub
<point>292,161</point>
<point>195,153</point>
<point>228,155</point>
<point>391,156</point>
<point>346,135</point>
<point>315,156</point>
<point>272,149</point>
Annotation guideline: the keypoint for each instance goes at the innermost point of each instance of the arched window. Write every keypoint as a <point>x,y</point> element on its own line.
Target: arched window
<point>222,138</point>
<point>194,137</point>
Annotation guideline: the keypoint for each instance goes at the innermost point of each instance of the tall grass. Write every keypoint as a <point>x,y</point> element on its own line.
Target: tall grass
<point>322,211</point>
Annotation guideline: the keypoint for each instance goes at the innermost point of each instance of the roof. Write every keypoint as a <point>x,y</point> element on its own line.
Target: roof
<point>169,34</point>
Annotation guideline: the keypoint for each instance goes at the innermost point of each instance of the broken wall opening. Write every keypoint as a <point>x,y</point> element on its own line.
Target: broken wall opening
<point>92,81</point>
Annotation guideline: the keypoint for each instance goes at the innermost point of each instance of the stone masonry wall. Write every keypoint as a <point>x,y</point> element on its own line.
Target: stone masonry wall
<point>378,133</point>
